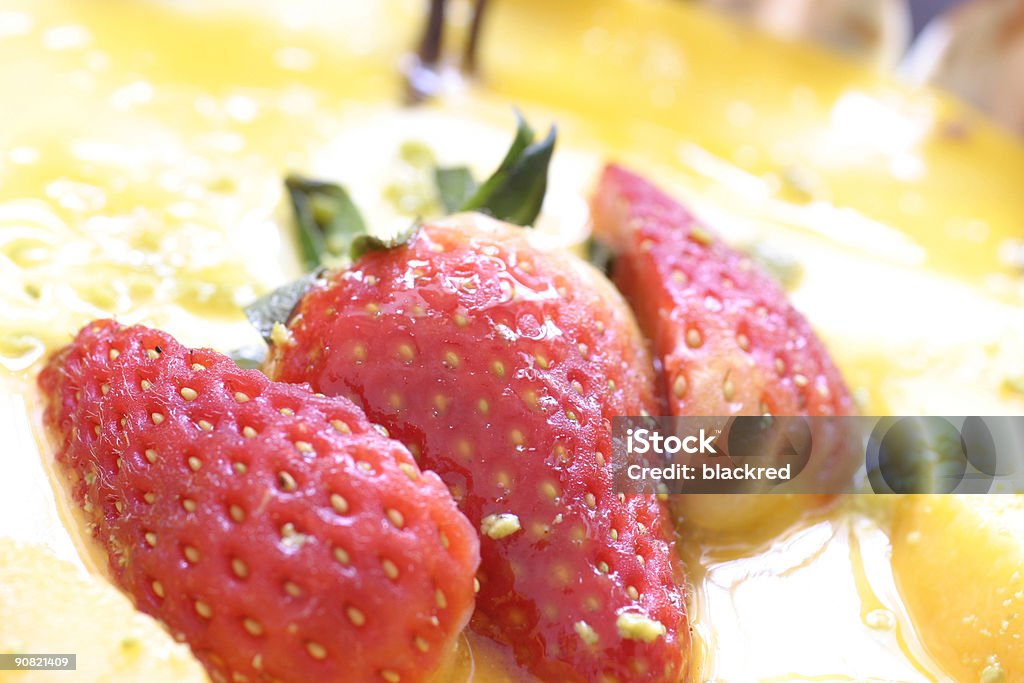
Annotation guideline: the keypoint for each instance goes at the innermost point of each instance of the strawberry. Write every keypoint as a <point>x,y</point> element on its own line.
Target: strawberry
<point>727,339</point>
<point>276,531</point>
<point>501,366</point>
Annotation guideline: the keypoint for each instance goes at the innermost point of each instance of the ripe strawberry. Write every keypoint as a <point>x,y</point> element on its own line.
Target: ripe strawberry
<point>276,531</point>
<point>501,367</point>
<point>727,339</point>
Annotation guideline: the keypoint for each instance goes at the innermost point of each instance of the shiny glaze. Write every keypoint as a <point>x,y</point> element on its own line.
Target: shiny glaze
<point>157,200</point>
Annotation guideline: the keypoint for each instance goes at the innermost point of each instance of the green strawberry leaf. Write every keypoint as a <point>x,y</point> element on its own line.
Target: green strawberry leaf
<point>599,255</point>
<point>327,219</point>
<point>332,232</point>
<point>366,243</point>
<point>515,191</point>
<point>277,306</point>
<point>455,185</point>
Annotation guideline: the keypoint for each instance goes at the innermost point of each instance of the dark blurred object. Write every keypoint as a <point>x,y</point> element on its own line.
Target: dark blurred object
<point>923,11</point>
<point>976,50</point>
<point>424,72</point>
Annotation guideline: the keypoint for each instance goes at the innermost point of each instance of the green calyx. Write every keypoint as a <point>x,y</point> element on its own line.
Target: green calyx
<point>331,232</point>
<point>515,191</point>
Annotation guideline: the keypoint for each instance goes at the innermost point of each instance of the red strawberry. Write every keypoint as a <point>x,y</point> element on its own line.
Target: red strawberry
<point>727,339</point>
<point>276,531</point>
<point>501,367</point>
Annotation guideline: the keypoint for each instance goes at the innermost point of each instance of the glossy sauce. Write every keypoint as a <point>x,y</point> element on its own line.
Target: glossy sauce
<point>140,177</point>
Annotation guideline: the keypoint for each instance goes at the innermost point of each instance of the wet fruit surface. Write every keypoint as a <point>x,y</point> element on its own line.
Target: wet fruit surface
<point>501,366</point>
